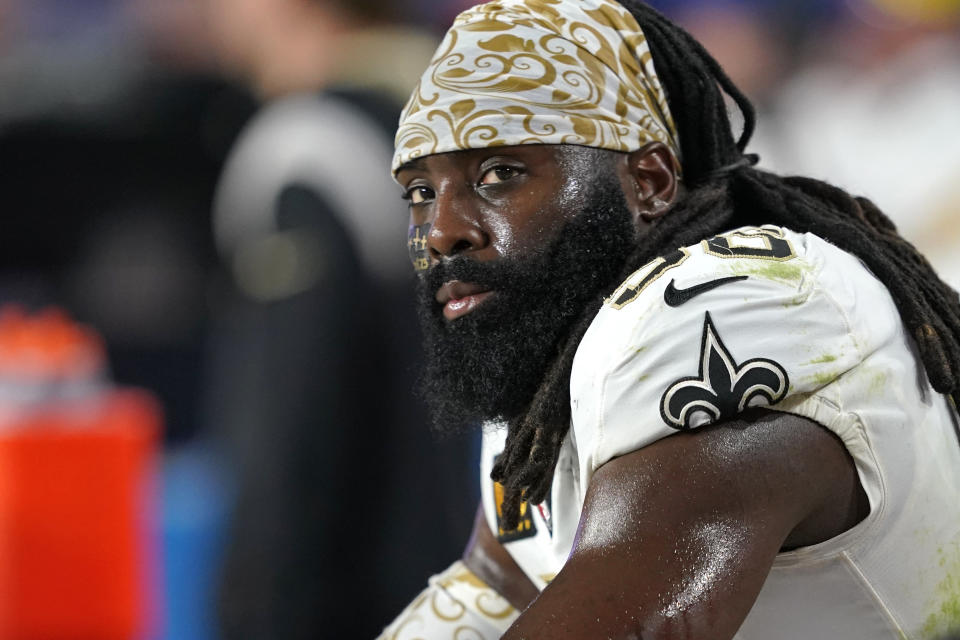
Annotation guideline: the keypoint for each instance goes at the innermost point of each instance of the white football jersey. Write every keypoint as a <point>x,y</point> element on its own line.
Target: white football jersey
<point>768,317</point>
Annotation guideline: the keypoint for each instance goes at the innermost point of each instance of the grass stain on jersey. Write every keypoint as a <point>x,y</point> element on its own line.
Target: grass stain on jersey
<point>823,378</point>
<point>945,616</point>
<point>873,378</point>
<point>796,301</point>
<point>877,383</point>
<point>824,359</point>
<point>639,351</point>
<point>787,272</point>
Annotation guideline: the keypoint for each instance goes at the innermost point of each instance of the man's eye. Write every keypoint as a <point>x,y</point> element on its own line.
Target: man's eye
<point>418,195</point>
<point>498,174</point>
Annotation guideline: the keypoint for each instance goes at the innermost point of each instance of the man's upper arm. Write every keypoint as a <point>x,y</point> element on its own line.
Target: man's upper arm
<point>676,539</point>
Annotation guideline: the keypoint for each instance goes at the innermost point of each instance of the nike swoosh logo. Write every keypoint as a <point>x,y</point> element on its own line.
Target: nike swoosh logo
<point>676,297</point>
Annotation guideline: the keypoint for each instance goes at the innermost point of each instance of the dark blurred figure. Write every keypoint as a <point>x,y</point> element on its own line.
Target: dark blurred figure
<point>109,154</point>
<point>314,358</point>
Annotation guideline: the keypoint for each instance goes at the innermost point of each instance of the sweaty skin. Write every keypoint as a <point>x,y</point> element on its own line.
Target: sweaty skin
<point>506,201</point>
<point>676,539</point>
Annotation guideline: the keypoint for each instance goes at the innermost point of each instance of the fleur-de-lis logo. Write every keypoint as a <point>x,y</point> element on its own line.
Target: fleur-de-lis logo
<point>723,388</point>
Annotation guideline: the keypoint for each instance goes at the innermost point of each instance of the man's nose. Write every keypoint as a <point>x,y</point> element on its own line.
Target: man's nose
<point>456,227</point>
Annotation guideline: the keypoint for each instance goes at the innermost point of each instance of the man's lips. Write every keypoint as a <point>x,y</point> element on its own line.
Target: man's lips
<point>460,298</point>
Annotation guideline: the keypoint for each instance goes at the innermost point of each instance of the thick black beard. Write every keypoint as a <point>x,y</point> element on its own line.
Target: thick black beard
<point>488,364</point>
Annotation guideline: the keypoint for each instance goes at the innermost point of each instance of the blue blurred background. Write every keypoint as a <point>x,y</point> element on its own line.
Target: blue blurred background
<point>159,180</point>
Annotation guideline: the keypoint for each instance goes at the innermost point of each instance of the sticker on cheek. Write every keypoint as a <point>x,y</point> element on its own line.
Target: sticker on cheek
<point>417,246</point>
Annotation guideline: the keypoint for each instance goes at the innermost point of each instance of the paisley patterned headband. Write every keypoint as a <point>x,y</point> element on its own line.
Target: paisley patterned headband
<point>538,72</point>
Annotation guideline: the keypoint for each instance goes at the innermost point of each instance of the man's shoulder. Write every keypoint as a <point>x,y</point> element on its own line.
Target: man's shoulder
<point>770,265</point>
<point>743,270</point>
<point>746,318</point>
<point>767,253</point>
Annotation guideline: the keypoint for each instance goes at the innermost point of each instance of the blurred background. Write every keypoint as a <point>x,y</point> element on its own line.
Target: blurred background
<point>203,186</point>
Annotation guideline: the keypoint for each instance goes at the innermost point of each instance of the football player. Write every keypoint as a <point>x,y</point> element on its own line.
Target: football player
<point>717,402</point>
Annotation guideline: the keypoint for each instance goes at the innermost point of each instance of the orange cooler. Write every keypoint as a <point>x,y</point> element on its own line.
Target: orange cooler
<point>76,493</point>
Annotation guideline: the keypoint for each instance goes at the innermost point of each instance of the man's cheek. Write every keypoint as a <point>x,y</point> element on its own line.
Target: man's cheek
<point>417,246</point>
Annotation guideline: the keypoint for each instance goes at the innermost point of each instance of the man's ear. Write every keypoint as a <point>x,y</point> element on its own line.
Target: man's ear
<point>649,179</point>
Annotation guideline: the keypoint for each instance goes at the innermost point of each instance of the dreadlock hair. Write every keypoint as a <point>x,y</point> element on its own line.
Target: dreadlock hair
<point>724,192</point>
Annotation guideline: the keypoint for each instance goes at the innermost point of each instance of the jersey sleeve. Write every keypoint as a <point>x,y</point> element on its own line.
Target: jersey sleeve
<point>755,317</point>
<point>455,604</point>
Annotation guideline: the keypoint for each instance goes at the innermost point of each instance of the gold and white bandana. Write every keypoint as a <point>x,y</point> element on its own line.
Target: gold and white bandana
<point>515,72</point>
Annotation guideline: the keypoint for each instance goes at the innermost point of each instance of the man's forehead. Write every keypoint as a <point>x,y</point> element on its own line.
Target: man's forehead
<point>571,163</point>
<point>529,152</point>
<point>417,164</point>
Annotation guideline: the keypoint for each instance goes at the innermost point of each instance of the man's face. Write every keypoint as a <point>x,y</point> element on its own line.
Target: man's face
<point>489,204</point>
<point>512,244</point>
